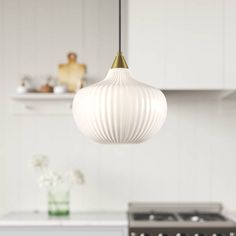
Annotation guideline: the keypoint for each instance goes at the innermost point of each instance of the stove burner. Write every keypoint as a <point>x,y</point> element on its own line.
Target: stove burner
<point>156,216</point>
<point>201,217</point>
<point>179,219</point>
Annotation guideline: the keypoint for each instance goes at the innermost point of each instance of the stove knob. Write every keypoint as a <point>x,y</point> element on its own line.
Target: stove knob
<point>217,234</point>
<point>199,234</point>
<point>180,234</point>
<point>161,234</point>
<point>144,234</point>
<point>232,234</point>
<point>133,234</point>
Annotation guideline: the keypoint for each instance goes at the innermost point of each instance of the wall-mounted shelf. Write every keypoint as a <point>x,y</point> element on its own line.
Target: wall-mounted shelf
<point>36,103</point>
<point>40,96</point>
<point>50,103</point>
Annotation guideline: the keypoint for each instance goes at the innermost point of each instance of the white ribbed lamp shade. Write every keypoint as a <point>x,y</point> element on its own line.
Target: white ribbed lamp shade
<point>119,109</point>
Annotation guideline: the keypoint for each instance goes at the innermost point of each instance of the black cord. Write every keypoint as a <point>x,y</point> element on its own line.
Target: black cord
<point>119,26</point>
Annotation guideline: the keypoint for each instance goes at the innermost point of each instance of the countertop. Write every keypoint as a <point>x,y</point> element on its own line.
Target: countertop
<point>83,219</point>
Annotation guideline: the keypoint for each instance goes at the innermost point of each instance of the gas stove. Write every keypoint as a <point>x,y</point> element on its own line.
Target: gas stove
<point>185,219</point>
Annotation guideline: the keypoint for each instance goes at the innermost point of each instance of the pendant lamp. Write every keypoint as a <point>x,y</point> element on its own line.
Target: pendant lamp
<point>119,109</point>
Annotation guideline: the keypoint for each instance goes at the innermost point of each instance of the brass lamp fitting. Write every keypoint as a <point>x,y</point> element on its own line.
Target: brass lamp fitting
<point>119,61</point>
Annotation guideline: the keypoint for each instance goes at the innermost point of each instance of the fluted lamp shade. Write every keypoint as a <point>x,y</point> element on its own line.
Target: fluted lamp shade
<point>119,109</point>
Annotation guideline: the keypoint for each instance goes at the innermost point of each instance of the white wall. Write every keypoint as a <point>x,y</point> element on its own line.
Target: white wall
<point>191,159</point>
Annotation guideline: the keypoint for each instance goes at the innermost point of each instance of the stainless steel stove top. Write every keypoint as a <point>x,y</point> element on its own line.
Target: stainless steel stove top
<point>185,219</point>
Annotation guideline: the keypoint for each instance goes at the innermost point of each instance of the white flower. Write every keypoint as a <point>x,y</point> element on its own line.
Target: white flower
<point>54,179</point>
<point>75,177</point>
<point>50,179</point>
<point>39,161</point>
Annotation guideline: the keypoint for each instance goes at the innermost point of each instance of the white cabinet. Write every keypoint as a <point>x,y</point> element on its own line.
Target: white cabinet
<point>62,231</point>
<point>230,44</point>
<point>177,44</point>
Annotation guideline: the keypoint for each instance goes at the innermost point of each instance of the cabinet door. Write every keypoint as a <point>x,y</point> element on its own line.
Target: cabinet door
<point>177,44</point>
<point>230,44</point>
<point>63,231</point>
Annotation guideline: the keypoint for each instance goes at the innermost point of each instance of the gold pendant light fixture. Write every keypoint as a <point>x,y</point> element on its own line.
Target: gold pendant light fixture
<point>119,109</point>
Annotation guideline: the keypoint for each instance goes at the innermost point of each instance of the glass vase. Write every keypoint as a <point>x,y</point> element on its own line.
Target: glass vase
<point>58,202</point>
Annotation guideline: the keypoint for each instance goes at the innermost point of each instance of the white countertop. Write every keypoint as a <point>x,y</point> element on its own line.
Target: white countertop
<point>83,219</point>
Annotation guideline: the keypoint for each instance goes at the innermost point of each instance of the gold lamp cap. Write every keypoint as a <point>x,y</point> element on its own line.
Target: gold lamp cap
<point>119,61</point>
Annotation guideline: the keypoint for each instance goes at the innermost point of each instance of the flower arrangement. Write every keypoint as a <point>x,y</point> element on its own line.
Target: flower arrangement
<point>49,178</point>
<point>57,183</point>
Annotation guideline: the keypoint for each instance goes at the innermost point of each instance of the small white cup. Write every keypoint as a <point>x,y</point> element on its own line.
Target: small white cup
<point>59,89</point>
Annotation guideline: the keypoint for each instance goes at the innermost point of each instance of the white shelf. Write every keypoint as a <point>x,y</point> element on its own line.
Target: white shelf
<point>38,103</point>
<point>42,103</point>
<point>43,96</point>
